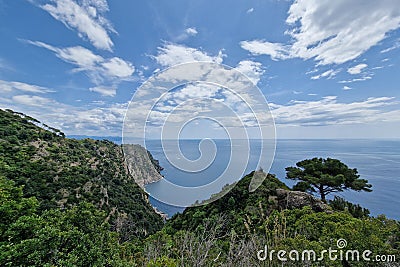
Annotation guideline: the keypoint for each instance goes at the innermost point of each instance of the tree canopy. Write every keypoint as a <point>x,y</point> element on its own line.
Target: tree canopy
<point>325,176</point>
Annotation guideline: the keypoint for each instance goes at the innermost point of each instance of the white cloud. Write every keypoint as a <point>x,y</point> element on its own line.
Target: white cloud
<point>98,69</point>
<point>329,111</point>
<point>7,86</point>
<point>29,100</point>
<point>172,54</point>
<point>194,101</point>
<point>88,120</point>
<point>105,91</point>
<point>364,78</point>
<point>357,69</point>
<point>259,47</point>
<point>191,31</point>
<point>252,69</point>
<point>329,74</point>
<point>193,91</point>
<point>250,10</point>
<point>83,58</point>
<point>340,35</point>
<point>211,91</point>
<point>188,32</point>
<point>346,87</point>
<point>86,18</point>
<point>117,67</point>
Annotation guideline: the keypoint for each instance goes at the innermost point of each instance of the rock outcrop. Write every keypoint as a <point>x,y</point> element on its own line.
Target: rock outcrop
<point>297,200</point>
<point>141,165</point>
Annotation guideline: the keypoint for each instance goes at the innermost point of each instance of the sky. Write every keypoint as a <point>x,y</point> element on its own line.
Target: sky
<point>328,69</point>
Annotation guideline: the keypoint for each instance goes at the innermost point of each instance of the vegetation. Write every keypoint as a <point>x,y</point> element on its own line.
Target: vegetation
<point>340,204</point>
<point>326,176</point>
<point>66,202</point>
<point>61,173</point>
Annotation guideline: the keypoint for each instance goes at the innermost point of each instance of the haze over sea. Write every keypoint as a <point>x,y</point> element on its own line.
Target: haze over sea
<point>376,160</point>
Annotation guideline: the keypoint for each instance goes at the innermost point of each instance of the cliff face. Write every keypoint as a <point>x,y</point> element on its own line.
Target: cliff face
<point>62,172</point>
<point>141,165</point>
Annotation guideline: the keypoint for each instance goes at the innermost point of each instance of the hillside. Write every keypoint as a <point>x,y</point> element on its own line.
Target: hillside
<point>62,172</point>
<point>231,230</point>
<point>237,203</point>
<point>67,202</point>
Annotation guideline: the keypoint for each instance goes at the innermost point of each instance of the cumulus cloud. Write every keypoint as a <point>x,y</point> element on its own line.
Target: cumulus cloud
<point>11,86</point>
<point>99,69</point>
<point>340,35</point>
<point>252,69</point>
<point>172,54</point>
<point>86,17</point>
<point>117,67</point>
<point>346,87</point>
<point>357,69</point>
<point>329,111</point>
<point>250,10</point>
<point>260,47</point>
<point>33,101</point>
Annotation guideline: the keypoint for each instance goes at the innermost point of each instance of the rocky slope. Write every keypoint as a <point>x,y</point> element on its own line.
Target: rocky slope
<point>141,165</point>
<point>62,172</point>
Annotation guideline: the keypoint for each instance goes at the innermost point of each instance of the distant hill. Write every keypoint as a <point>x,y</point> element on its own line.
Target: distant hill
<point>115,139</point>
<point>62,172</point>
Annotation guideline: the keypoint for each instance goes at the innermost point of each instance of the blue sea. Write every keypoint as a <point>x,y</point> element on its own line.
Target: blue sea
<point>378,161</point>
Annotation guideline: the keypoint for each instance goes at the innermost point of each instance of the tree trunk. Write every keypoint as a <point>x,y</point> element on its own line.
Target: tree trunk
<point>322,193</point>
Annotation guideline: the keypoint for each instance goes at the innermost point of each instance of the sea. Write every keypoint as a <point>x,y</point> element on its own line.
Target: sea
<point>376,160</point>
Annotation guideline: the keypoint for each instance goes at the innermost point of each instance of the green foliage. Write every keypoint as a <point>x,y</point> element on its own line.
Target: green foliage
<point>239,206</point>
<point>62,172</point>
<point>75,237</point>
<point>340,204</point>
<point>326,176</point>
<point>79,236</point>
<point>297,229</point>
<point>12,204</point>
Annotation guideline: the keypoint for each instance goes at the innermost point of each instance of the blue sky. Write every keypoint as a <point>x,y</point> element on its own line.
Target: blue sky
<point>328,69</point>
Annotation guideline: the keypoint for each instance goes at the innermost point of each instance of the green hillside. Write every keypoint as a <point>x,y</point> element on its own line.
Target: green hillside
<point>238,207</point>
<point>62,172</point>
<point>232,229</point>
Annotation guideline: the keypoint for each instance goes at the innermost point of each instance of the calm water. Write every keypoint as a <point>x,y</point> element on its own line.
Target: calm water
<point>378,161</point>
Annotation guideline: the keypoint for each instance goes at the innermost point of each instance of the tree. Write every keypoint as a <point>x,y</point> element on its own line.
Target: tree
<point>13,206</point>
<point>326,176</point>
<point>79,236</point>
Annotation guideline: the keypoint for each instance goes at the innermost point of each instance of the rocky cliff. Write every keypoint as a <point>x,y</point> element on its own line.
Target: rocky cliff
<point>141,165</point>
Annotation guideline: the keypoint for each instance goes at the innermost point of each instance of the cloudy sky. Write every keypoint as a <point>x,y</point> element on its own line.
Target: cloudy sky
<point>328,69</point>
